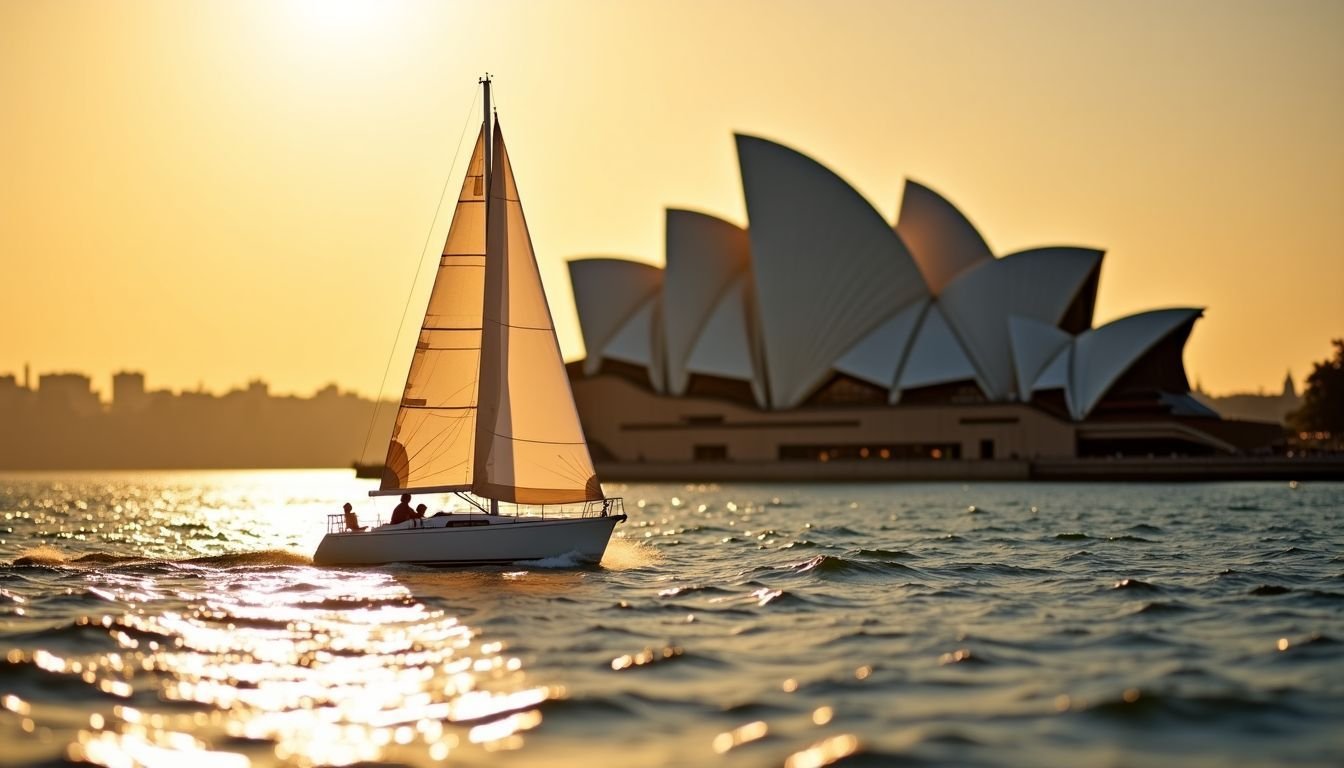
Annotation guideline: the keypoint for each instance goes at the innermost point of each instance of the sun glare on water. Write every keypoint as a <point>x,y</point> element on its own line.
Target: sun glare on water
<point>223,645</point>
<point>353,670</point>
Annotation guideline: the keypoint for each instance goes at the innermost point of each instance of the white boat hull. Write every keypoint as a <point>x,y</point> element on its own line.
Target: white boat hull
<point>471,540</point>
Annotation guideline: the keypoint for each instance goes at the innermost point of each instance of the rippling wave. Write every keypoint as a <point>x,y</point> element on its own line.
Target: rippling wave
<point>176,618</point>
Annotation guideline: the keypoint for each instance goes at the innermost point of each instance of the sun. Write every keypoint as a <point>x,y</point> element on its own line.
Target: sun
<point>337,16</point>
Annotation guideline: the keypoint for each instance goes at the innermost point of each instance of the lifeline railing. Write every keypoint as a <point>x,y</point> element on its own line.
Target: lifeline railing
<point>604,507</point>
<point>336,523</point>
<point>598,508</point>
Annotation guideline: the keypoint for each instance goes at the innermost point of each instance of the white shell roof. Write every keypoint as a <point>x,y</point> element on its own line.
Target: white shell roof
<point>827,267</point>
<point>936,357</point>
<point>638,341</point>
<point>877,357</point>
<point>1102,355</point>
<point>941,240</point>
<point>1055,374</point>
<point>725,347</point>
<point>820,283</point>
<point>1039,284</point>
<point>607,292</point>
<point>705,255</point>
<point>1035,345</point>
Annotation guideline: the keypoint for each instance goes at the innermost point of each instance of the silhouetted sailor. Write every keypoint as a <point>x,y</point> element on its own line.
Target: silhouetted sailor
<point>403,511</point>
<point>351,520</point>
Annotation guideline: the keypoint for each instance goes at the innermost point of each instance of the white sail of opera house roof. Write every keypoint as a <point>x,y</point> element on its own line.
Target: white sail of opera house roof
<point>530,447</point>
<point>1102,355</point>
<point>607,293</point>
<point>705,256</point>
<point>877,357</point>
<point>936,357</point>
<point>942,241</point>
<point>827,267</point>
<point>639,341</point>
<point>1035,344</point>
<point>1039,284</point>
<point>433,438</point>
<point>725,347</point>
<point>1056,373</point>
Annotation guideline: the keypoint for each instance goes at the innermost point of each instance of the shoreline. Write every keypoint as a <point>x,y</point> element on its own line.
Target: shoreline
<point>1275,468</point>
<point>1127,469</point>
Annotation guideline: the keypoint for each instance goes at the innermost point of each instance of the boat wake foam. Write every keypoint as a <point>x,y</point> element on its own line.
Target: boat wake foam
<point>571,559</point>
<point>623,555</point>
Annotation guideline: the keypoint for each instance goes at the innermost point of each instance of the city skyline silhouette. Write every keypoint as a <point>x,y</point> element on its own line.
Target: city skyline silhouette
<point>63,423</point>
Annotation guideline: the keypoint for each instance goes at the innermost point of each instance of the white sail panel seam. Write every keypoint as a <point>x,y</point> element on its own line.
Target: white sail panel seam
<point>538,442</point>
<point>526,327</point>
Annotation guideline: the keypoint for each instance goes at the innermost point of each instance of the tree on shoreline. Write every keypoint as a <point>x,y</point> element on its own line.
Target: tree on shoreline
<point>1323,401</point>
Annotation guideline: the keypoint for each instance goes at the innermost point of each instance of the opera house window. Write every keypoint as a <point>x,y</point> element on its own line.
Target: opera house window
<point>711,453</point>
<point>898,451</point>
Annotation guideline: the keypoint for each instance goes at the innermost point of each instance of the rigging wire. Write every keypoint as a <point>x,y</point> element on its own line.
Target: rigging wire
<point>419,267</point>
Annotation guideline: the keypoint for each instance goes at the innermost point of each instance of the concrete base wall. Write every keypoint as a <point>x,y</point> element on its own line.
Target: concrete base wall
<point>812,471</point>
<point>1070,470</point>
<point>637,435</point>
<point>636,425</point>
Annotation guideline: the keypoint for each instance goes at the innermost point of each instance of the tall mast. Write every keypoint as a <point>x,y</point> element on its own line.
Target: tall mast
<point>489,150</point>
<point>485,84</point>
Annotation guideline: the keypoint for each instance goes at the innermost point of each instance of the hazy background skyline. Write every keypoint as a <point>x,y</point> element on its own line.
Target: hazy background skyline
<point>212,192</point>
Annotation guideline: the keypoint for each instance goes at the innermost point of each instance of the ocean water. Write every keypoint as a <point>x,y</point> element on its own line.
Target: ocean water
<point>174,619</point>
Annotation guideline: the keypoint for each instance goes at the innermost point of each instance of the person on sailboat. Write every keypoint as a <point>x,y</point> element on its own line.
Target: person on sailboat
<point>420,511</point>
<point>403,512</point>
<point>351,519</point>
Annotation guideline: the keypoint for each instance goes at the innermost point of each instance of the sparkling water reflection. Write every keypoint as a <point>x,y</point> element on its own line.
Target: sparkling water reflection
<point>173,618</point>
<point>313,667</point>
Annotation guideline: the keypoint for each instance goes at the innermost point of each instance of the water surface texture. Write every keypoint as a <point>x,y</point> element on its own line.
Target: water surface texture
<point>174,619</point>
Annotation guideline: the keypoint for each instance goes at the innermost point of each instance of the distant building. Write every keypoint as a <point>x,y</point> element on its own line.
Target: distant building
<point>67,391</point>
<point>128,392</point>
<point>1256,406</point>
<point>10,392</point>
<point>823,333</point>
<point>63,425</point>
<point>331,392</point>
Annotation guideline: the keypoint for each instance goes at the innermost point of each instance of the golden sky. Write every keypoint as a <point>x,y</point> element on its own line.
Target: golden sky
<point>216,191</point>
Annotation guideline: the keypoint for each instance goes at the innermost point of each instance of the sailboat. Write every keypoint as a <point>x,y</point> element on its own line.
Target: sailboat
<point>487,412</point>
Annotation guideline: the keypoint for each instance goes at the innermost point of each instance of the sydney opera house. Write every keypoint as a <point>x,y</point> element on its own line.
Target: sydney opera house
<point>821,333</point>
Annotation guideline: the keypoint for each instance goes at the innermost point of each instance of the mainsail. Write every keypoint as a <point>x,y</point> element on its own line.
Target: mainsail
<point>487,405</point>
<point>433,440</point>
<point>530,447</point>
